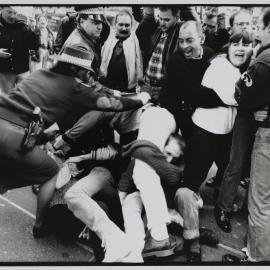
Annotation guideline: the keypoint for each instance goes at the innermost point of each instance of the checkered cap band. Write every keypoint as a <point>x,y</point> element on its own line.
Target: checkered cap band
<point>77,55</point>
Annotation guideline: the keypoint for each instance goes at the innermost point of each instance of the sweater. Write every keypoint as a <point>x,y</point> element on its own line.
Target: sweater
<point>183,84</point>
<point>220,76</point>
<point>149,153</point>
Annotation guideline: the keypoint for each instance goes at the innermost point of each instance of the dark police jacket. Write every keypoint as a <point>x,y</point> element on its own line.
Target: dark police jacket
<point>252,89</point>
<point>18,39</point>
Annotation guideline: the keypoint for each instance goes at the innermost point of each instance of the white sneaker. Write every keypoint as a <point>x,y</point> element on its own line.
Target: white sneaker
<point>117,248</point>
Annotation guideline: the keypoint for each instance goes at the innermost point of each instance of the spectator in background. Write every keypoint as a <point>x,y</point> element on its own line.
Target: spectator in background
<point>32,23</point>
<point>241,20</point>
<point>215,36</point>
<point>68,24</point>
<point>158,40</point>
<point>16,39</point>
<point>46,43</point>
<point>121,65</point>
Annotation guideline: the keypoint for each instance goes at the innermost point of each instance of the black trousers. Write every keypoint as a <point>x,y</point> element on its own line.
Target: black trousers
<point>204,149</point>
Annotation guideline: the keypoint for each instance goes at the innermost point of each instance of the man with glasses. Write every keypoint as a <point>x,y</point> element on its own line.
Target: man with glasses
<point>241,20</point>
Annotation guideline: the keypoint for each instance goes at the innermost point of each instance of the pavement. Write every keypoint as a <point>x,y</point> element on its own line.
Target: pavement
<point>17,208</point>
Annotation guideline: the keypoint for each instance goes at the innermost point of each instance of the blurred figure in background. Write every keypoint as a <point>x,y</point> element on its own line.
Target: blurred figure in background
<point>46,43</point>
<point>16,39</point>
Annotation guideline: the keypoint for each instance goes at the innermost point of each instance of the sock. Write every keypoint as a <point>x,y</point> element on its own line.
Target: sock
<point>159,232</point>
<point>194,245</point>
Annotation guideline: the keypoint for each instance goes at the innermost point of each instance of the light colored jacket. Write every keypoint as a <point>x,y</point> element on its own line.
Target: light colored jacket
<point>132,55</point>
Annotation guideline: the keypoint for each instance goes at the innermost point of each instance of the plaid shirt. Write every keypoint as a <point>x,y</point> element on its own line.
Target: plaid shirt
<point>154,69</point>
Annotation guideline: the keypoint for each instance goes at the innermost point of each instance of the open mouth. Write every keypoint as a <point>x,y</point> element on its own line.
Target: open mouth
<point>188,53</point>
<point>239,56</point>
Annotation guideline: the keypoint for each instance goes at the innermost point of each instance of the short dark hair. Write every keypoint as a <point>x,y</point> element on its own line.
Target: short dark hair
<point>81,16</point>
<point>210,15</point>
<point>123,12</point>
<point>238,35</point>
<point>174,9</point>
<point>266,16</point>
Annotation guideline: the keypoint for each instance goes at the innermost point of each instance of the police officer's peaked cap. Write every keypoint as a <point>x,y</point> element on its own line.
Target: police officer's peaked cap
<point>94,13</point>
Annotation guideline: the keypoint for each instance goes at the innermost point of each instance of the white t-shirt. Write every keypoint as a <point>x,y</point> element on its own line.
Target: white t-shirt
<point>220,76</point>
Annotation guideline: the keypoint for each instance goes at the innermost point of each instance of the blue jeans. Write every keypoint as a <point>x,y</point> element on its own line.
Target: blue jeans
<point>187,204</point>
<point>259,198</point>
<point>242,141</point>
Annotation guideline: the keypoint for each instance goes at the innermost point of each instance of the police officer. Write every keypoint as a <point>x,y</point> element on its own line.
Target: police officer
<point>252,94</point>
<point>43,98</point>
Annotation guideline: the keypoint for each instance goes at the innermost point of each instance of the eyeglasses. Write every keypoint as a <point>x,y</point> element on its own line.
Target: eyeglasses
<point>242,23</point>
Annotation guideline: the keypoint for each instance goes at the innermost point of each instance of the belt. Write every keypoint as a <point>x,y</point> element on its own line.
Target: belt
<point>14,122</point>
<point>264,124</point>
<point>19,128</point>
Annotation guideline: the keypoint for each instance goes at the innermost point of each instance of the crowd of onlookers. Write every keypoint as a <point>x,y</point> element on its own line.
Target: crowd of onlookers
<point>117,124</point>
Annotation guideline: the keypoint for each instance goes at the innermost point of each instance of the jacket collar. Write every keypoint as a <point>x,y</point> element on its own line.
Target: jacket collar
<point>263,49</point>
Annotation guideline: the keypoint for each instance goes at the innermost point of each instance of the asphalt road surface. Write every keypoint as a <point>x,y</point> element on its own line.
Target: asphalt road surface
<point>17,211</point>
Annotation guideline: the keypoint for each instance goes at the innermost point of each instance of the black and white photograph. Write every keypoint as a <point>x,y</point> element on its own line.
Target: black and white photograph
<point>134,133</point>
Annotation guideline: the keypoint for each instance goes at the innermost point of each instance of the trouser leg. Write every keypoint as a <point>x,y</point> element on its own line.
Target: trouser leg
<point>242,142</point>
<point>188,204</point>
<point>259,198</point>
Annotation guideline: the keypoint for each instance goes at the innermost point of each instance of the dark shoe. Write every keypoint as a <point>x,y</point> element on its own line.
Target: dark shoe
<point>229,258</point>
<point>208,237</point>
<point>35,189</point>
<point>40,232</point>
<point>244,183</point>
<point>161,248</point>
<point>194,257</point>
<point>223,220</point>
<point>212,182</point>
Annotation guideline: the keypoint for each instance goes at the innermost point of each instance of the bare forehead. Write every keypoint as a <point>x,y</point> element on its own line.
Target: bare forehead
<point>188,29</point>
<point>123,18</point>
<point>242,16</point>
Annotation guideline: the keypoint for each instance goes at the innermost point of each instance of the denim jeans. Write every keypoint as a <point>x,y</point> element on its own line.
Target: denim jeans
<point>242,141</point>
<point>156,125</point>
<point>188,203</point>
<point>134,226</point>
<point>82,196</point>
<point>259,198</point>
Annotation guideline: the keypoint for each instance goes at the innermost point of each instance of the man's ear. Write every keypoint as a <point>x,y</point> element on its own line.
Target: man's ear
<point>202,38</point>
